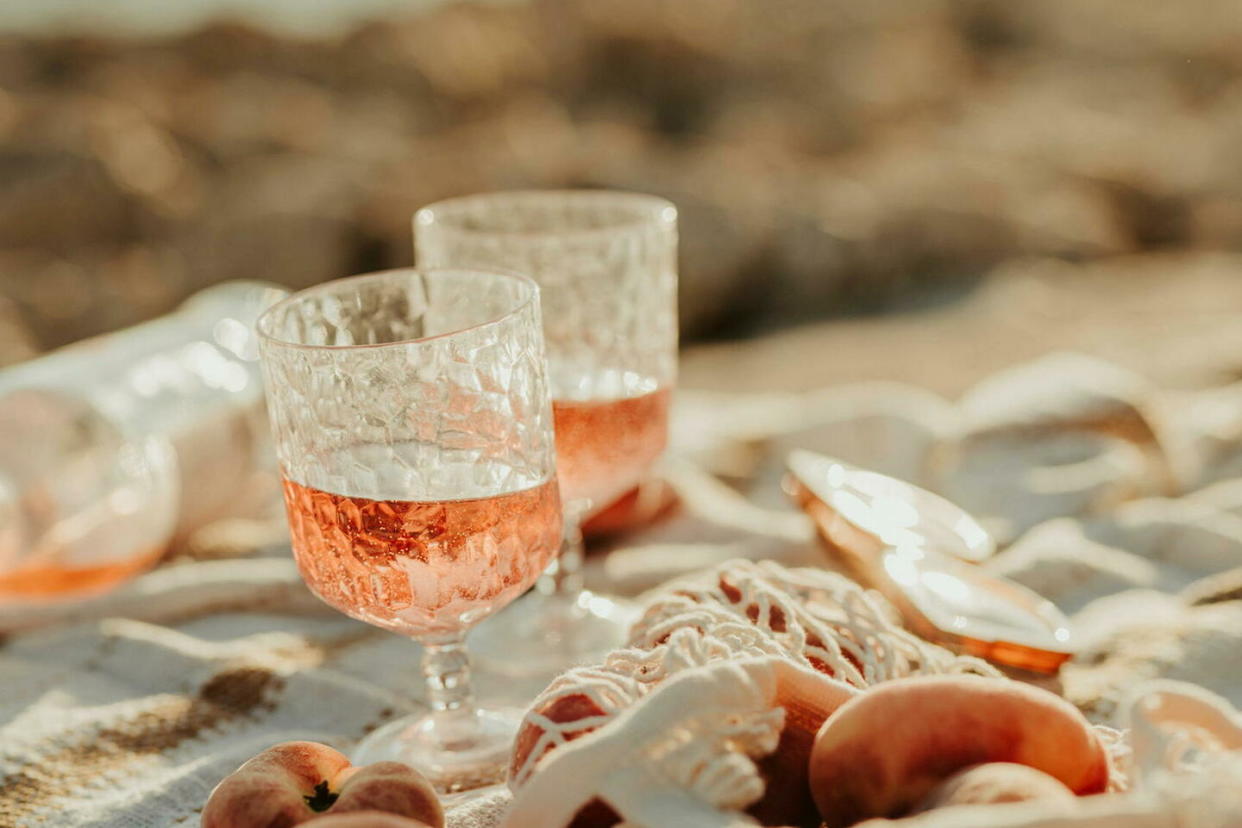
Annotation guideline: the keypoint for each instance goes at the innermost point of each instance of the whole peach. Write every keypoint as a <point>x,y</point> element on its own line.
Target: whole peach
<point>995,782</point>
<point>364,819</point>
<point>391,787</point>
<point>886,749</point>
<point>294,782</point>
<point>641,506</point>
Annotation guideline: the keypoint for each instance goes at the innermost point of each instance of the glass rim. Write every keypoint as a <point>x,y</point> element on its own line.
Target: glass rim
<point>261,324</point>
<point>656,212</point>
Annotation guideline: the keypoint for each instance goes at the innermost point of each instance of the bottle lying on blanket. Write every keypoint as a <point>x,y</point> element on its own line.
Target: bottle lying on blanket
<point>112,446</point>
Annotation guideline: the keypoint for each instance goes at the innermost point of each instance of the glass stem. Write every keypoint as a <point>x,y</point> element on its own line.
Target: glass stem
<point>563,577</point>
<point>446,669</point>
<point>568,575</point>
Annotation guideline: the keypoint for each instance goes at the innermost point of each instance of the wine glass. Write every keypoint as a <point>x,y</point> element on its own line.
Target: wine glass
<point>607,266</point>
<point>414,432</point>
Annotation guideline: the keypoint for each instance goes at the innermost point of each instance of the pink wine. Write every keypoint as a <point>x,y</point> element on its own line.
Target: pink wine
<point>34,583</point>
<point>603,447</point>
<point>420,567</point>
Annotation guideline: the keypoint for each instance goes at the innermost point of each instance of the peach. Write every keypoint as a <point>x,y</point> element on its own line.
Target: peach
<point>390,787</point>
<point>364,819</point>
<point>787,795</point>
<point>886,749</point>
<point>561,710</point>
<point>645,504</point>
<point>291,783</point>
<point>995,782</point>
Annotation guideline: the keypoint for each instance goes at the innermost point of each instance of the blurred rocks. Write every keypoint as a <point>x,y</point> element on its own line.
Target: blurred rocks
<point>827,156</point>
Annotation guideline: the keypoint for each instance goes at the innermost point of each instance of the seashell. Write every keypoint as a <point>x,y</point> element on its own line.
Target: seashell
<point>685,753</point>
<point>893,537</point>
<point>893,511</point>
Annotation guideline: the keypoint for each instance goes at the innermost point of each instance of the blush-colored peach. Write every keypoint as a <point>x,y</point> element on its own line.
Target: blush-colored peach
<point>995,782</point>
<point>270,789</point>
<point>645,504</point>
<point>886,749</point>
<point>787,795</point>
<point>560,710</point>
<point>364,819</point>
<point>294,782</point>
<point>390,787</point>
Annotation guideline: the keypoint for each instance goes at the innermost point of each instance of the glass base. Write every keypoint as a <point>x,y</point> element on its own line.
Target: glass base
<point>455,758</point>
<point>544,634</point>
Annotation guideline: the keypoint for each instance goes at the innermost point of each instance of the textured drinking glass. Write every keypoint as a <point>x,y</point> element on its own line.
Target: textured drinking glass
<point>414,431</point>
<point>606,264</point>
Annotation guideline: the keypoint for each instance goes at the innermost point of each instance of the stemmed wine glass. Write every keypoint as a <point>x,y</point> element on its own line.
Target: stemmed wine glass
<point>607,266</point>
<point>414,432</point>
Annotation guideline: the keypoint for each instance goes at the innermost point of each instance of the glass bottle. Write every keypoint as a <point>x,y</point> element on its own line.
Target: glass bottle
<point>113,446</point>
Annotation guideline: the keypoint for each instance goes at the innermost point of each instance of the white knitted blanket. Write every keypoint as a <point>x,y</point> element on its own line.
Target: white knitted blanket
<point>125,711</point>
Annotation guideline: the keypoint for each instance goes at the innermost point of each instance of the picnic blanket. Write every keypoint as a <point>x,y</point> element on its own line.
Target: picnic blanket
<point>1118,500</point>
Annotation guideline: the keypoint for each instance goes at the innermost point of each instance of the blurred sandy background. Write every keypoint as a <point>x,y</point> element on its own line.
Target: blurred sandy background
<point>921,190</point>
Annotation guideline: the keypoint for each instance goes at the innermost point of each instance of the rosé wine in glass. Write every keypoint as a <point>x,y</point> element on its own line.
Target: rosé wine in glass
<point>413,426</point>
<point>606,446</point>
<point>32,583</point>
<point>420,567</point>
<point>606,265</point>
